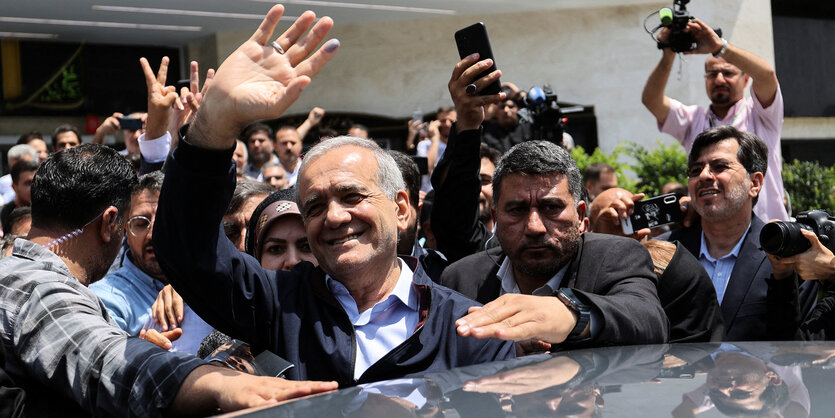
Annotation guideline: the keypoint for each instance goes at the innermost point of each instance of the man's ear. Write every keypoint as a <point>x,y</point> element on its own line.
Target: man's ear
<point>401,199</point>
<point>109,223</point>
<point>581,213</point>
<point>756,183</point>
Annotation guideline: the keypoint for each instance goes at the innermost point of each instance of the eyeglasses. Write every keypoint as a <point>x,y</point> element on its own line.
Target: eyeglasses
<point>711,75</point>
<point>715,168</point>
<point>268,179</point>
<point>139,226</point>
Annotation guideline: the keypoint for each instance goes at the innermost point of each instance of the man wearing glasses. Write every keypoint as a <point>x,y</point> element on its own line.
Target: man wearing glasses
<point>129,292</point>
<point>725,171</point>
<point>727,73</point>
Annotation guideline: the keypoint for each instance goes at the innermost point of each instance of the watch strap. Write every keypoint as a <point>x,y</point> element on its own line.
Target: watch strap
<point>582,310</point>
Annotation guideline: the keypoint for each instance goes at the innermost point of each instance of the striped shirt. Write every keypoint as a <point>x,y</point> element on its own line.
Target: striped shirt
<point>65,350</point>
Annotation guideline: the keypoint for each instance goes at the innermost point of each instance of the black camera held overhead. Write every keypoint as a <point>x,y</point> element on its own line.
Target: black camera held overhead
<point>784,239</point>
<point>676,20</point>
<point>544,114</point>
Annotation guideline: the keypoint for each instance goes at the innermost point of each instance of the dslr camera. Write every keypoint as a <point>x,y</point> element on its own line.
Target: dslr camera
<point>677,19</point>
<point>784,239</point>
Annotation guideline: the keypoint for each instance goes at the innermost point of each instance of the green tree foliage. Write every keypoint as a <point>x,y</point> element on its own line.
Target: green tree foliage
<point>809,185</point>
<point>656,167</point>
<point>584,160</point>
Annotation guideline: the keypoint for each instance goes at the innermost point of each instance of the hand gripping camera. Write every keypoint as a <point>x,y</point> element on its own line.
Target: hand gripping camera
<point>784,239</point>
<point>676,19</point>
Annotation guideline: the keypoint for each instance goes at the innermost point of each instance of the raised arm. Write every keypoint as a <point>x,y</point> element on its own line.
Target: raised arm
<point>765,78</point>
<point>455,178</point>
<point>225,287</point>
<point>259,82</point>
<point>432,153</point>
<point>109,127</point>
<point>653,96</point>
<point>313,118</point>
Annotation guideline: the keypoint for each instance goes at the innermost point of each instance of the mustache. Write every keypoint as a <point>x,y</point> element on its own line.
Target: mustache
<point>529,243</point>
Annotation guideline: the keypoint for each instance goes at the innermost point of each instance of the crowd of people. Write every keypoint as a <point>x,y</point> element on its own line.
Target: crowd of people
<point>126,274</point>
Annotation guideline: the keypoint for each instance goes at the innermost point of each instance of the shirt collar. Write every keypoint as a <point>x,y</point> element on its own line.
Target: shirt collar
<point>404,291</point>
<point>141,275</point>
<point>732,112</point>
<point>703,252</point>
<point>509,285</point>
<point>29,250</point>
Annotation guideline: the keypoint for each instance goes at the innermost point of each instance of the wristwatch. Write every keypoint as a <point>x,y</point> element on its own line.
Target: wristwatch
<point>721,52</point>
<point>583,311</point>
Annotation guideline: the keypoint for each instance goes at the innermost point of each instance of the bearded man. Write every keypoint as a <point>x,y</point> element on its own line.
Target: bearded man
<point>726,171</point>
<point>548,281</point>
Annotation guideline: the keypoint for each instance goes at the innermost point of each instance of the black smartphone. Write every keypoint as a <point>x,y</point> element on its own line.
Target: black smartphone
<point>131,124</point>
<point>474,39</point>
<point>652,213</point>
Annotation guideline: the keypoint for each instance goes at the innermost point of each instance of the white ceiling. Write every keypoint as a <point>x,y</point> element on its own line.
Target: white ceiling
<point>176,22</point>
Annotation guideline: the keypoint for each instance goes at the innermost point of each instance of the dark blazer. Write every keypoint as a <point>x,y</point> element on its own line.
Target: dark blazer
<point>689,299</point>
<point>613,274</point>
<point>744,305</point>
<point>290,313</point>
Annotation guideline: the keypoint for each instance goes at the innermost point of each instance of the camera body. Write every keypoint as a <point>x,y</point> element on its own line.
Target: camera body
<point>681,41</point>
<point>544,114</point>
<point>784,239</point>
<point>677,20</point>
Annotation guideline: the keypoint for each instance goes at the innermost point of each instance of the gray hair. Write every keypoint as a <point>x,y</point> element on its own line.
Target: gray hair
<point>536,158</point>
<point>388,174</point>
<point>17,152</point>
<point>244,190</point>
<point>272,164</point>
<point>246,151</point>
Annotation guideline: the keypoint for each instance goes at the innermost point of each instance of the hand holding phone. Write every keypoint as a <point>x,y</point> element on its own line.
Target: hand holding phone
<point>474,83</point>
<point>473,39</point>
<point>652,213</point>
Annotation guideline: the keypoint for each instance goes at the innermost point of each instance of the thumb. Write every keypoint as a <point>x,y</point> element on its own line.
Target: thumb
<point>174,334</point>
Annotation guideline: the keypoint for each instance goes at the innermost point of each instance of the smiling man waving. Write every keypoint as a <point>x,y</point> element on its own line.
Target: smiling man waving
<point>364,314</point>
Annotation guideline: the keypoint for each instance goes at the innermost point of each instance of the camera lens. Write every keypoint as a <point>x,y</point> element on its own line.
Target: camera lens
<point>784,238</point>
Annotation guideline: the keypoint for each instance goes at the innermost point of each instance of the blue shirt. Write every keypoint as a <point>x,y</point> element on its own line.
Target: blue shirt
<point>128,294</point>
<point>720,269</point>
<point>383,327</point>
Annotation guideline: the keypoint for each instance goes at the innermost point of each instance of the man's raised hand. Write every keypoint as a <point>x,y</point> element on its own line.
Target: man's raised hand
<point>259,82</point>
<point>471,108</point>
<point>161,99</point>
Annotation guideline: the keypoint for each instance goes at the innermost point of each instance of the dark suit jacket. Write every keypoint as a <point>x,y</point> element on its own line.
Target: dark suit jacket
<point>613,274</point>
<point>744,304</point>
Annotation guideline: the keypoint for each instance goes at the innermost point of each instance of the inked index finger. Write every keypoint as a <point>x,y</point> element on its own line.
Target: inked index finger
<point>264,32</point>
<point>299,50</point>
